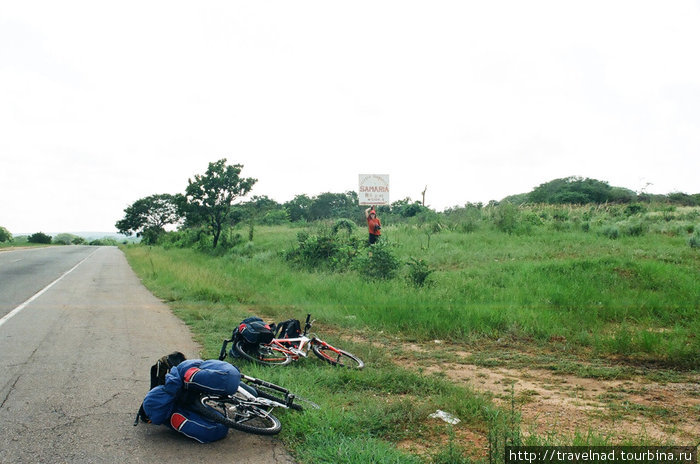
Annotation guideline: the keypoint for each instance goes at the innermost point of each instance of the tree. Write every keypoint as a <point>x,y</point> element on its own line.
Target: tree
<point>335,205</point>
<point>148,217</point>
<point>39,237</point>
<point>5,235</point>
<point>298,208</point>
<point>209,197</point>
<point>407,208</point>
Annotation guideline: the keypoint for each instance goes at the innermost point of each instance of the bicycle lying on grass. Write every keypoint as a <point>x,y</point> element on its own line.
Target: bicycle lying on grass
<point>282,351</point>
<point>250,408</point>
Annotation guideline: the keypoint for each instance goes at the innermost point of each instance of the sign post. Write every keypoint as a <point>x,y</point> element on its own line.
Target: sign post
<point>374,189</point>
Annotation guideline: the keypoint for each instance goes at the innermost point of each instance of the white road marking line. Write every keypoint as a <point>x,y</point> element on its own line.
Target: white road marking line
<point>19,308</point>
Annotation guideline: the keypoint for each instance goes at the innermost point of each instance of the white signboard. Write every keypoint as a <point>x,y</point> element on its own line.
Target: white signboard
<point>374,189</point>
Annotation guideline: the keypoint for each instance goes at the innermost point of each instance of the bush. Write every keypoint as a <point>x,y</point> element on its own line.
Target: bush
<point>325,250</point>
<point>275,217</point>
<point>611,232</point>
<point>39,237</point>
<point>418,272</point>
<point>64,239</point>
<point>505,217</point>
<point>104,242</point>
<point>184,238</point>
<point>694,240</point>
<point>634,229</point>
<point>635,208</point>
<point>345,224</point>
<point>5,235</point>
<point>378,264</point>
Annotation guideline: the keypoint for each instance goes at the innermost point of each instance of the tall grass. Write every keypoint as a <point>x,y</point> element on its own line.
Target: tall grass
<point>636,297</point>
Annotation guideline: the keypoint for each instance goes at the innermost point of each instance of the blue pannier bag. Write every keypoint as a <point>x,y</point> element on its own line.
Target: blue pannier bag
<point>167,402</point>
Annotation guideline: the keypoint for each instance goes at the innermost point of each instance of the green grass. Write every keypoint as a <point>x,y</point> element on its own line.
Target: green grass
<point>635,298</point>
<point>558,295</point>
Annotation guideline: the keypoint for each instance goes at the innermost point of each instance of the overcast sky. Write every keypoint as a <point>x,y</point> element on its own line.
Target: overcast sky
<point>103,103</point>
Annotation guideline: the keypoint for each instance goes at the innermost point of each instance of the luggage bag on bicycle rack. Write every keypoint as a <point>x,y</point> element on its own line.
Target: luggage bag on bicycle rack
<point>291,328</point>
<point>253,331</point>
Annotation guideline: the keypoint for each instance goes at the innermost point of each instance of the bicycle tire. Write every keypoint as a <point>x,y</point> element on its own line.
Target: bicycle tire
<point>246,419</point>
<point>336,356</point>
<point>264,354</point>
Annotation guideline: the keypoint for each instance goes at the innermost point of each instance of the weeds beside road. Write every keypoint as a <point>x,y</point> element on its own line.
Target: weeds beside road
<point>550,312</point>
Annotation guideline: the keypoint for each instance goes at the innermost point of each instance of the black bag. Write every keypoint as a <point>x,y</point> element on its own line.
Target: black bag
<point>291,328</point>
<point>254,331</point>
<point>163,365</point>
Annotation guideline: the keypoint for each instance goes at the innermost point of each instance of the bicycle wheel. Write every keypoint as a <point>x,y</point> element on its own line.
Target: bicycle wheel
<point>264,354</point>
<point>244,417</point>
<point>336,356</point>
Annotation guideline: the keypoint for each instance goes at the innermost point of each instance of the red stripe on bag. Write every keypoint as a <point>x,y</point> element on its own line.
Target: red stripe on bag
<point>177,420</point>
<point>190,373</point>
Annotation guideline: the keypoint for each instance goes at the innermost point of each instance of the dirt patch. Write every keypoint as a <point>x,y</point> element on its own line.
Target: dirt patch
<point>473,442</point>
<point>568,404</point>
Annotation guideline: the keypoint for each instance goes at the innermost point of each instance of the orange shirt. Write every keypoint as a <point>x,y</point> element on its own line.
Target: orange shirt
<point>372,224</point>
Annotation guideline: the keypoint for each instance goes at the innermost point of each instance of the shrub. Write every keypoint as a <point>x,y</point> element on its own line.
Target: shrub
<point>325,250</point>
<point>5,235</point>
<point>275,217</point>
<point>694,240</point>
<point>64,239</point>
<point>378,264</point>
<point>635,208</point>
<point>345,224</point>
<point>612,232</point>
<point>184,238</point>
<point>468,226</point>
<point>39,237</point>
<point>104,242</point>
<point>418,272</point>
<point>633,229</point>
<point>505,217</point>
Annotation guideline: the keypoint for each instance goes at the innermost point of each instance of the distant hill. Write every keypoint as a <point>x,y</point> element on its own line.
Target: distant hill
<point>578,190</point>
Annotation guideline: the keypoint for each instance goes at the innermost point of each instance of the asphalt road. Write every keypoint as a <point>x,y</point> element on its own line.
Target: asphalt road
<point>75,360</point>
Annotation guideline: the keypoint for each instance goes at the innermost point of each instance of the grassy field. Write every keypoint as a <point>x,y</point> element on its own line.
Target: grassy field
<point>560,288</point>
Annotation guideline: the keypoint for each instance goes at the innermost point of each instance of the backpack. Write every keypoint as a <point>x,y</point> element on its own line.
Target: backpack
<point>158,372</point>
<point>163,366</point>
<point>291,328</point>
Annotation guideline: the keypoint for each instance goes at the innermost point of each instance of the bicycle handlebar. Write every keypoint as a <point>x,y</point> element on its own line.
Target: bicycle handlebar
<point>307,324</point>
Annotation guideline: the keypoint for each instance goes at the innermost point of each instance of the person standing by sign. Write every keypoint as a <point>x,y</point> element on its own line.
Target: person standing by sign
<point>374,225</point>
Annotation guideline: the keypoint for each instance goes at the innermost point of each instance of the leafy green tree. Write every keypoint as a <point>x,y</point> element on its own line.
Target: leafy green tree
<point>210,196</point>
<point>39,237</point>
<point>5,235</point>
<point>298,208</point>
<point>335,205</point>
<point>147,217</point>
<point>680,198</point>
<point>407,208</point>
